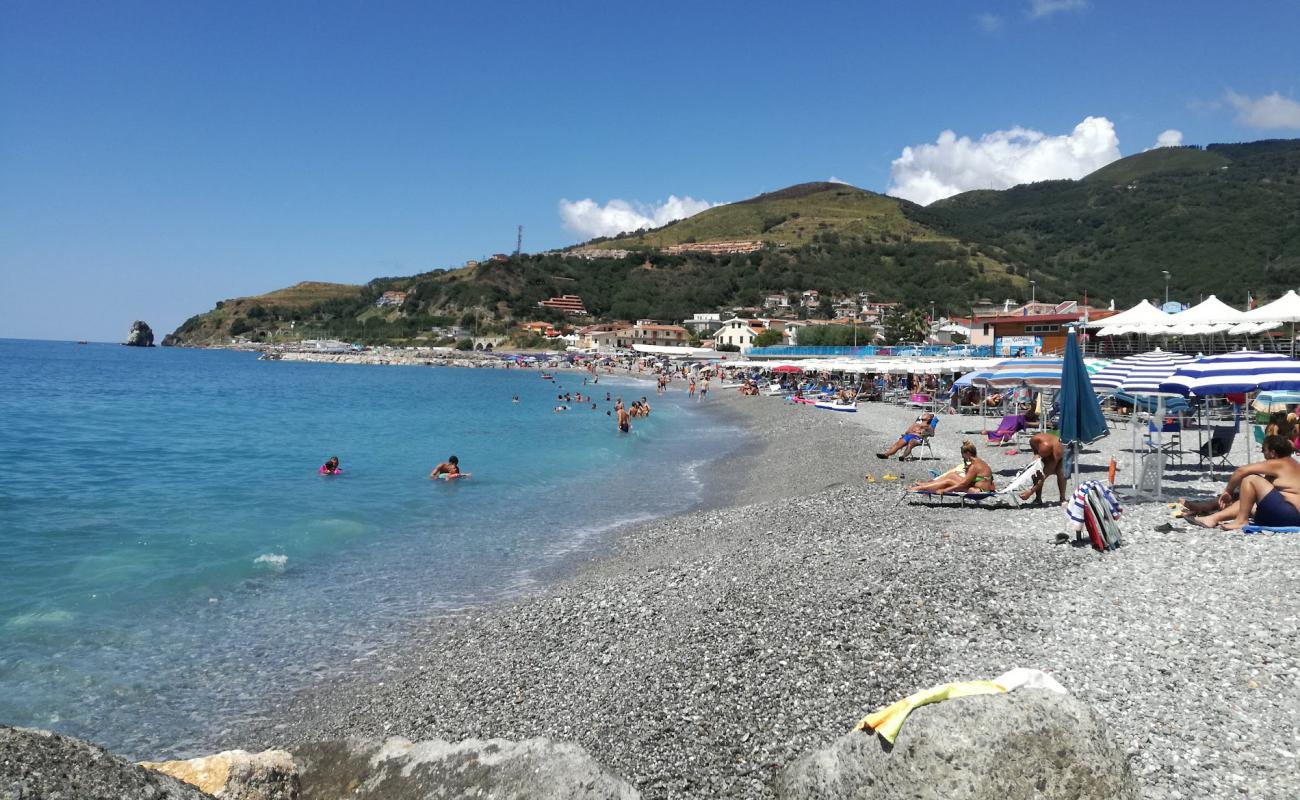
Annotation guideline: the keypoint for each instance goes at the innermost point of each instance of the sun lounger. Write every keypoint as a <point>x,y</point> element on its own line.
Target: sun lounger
<point>1010,426</point>
<point>1009,494</point>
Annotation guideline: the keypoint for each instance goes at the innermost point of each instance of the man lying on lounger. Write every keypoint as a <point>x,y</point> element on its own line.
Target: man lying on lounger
<point>1268,492</point>
<point>1048,448</point>
<point>978,476</point>
<point>910,438</point>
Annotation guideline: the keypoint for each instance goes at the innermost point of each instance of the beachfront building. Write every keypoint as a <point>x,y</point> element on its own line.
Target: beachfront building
<point>594,337</point>
<point>703,325</point>
<point>1031,329</point>
<point>740,332</point>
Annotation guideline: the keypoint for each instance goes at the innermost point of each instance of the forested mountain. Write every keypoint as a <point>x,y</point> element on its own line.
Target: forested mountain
<point>1224,219</point>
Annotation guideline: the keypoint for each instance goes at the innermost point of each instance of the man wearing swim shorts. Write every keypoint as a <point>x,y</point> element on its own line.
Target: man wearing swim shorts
<point>624,421</point>
<point>1268,492</point>
<point>910,438</point>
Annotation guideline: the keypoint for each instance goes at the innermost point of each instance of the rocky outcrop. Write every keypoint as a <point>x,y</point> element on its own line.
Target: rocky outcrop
<point>1027,743</point>
<point>397,769</point>
<point>237,774</point>
<point>141,335</point>
<point>170,340</point>
<point>46,766</point>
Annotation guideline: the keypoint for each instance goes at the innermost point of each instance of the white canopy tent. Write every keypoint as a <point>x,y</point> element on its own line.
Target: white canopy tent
<point>1139,315</point>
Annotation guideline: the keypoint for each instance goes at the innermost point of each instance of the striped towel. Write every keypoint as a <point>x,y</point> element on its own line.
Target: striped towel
<point>1074,510</point>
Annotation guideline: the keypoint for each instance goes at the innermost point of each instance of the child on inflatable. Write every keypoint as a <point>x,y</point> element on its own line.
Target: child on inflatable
<point>331,467</point>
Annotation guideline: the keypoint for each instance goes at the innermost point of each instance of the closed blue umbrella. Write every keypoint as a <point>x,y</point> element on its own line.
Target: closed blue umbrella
<point>1081,419</point>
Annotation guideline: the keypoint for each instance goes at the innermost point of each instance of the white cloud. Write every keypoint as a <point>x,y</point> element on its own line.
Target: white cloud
<point>1001,159</point>
<point>833,179</point>
<point>1045,8</point>
<point>589,218</point>
<point>989,23</point>
<point>1268,112</point>
<point>1170,138</point>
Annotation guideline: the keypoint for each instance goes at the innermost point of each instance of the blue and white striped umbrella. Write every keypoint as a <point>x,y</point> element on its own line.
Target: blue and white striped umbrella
<point>1139,374</point>
<point>1234,373</point>
<point>1037,372</point>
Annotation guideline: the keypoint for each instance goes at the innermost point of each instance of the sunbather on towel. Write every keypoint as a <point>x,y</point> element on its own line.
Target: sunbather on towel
<point>978,476</point>
<point>910,438</point>
<point>1268,492</point>
<point>1048,448</point>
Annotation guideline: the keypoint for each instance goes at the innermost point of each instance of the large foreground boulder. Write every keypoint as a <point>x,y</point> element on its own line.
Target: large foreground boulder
<point>141,335</point>
<point>397,769</point>
<point>1027,743</point>
<point>40,765</point>
<point>236,774</point>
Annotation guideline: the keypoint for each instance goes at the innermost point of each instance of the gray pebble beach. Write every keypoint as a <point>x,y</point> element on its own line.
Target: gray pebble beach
<point>698,655</point>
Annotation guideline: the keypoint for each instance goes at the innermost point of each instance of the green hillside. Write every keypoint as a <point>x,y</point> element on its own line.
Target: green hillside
<point>1223,220</point>
<point>790,217</point>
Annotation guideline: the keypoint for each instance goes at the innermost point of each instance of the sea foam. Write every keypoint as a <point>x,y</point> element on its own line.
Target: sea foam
<point>273,561</point>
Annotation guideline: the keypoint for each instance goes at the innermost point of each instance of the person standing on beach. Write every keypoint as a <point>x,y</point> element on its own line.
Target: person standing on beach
<point>1049,450</point>
<point>704,389</point>
<point>690,391</point>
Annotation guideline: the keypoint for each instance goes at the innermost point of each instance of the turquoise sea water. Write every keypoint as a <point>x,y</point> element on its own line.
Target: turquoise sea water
<point>169,554</point>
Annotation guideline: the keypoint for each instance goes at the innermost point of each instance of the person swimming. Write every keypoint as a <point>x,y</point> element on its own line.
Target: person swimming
<point>447,470</point>
<point>331,467</point>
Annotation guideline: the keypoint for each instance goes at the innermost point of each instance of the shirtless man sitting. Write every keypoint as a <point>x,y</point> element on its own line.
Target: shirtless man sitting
<point>978,476</point>
<point>447,469</point>
<point>1049,450</point>
<point>911,437</point>
<point>1268,489</point>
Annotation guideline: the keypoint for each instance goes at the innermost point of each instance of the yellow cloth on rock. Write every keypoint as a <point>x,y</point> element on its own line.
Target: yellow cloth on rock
<point>888,721</point>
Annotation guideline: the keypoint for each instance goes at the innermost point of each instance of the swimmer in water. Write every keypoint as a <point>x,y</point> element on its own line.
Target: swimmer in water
<point>624,421</point>
<point>331,467</point>
<point>515,399</point>
<point>447,469</point>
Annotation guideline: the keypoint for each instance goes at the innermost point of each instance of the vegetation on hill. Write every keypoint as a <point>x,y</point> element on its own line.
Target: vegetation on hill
<point>1222,220</point>
<point>793,216</point>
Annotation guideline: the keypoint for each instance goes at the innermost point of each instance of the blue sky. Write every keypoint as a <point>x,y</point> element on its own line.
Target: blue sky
<point>156,157</point>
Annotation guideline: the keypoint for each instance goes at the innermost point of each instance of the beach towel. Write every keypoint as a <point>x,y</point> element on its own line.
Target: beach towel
<point>1265,529</point>
<point>887,722</point>
<point>1074,510</point>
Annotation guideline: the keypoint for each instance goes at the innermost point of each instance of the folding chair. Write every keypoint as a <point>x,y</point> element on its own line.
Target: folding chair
<point>1219,447</point>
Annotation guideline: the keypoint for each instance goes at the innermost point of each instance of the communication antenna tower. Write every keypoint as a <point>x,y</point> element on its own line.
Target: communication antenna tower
<point>519,241</point>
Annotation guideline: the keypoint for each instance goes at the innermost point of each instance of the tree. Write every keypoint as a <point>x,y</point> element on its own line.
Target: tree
<point>903,324</point>
<point>768,338</point>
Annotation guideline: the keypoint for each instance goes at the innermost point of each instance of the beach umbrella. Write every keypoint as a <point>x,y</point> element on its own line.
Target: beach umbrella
<point>1081,419</point>
<point>1234,373</point>
<point>788,369</point>
<point>1284,309</point>
<point>1139,374</point>
<point>1036,372</point>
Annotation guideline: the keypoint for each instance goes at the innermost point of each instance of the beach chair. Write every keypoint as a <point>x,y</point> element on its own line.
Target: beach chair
<point>1219,447</point>
<point>1008,429</point>
<point>1171,439</point>
<point>1008,495</point>
<point>927,436</point>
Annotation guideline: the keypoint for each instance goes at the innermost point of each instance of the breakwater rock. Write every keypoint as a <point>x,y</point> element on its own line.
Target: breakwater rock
<point>141,335</point>
<point>46,766</point>
<point>237,775</point>
<point>1027,743</point>
<point>397,769</point>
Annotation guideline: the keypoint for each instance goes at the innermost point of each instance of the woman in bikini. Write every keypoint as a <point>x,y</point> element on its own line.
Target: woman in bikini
<point>978,476</point>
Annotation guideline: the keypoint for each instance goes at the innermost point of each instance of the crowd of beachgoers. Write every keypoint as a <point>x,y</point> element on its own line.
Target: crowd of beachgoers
<point>697,656</point>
